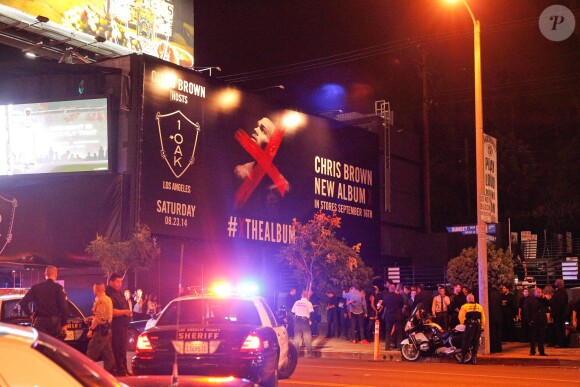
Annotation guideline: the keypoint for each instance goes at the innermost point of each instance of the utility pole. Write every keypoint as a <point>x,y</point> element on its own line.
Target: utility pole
<point>426,156</point>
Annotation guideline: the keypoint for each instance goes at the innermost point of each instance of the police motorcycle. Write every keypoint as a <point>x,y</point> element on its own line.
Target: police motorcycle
<point>424,337</point>
<point>282,316</point>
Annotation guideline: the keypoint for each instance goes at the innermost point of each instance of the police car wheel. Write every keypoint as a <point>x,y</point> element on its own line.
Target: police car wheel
<point>288,368</point>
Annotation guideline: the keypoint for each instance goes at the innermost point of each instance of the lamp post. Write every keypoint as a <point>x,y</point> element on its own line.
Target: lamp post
<point>480,184</point>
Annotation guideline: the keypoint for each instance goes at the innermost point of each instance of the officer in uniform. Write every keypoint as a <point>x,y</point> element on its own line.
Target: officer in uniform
<point>472,316</point>
<point>100,334</point>
<point>51,311</point>
<point>302,310</point>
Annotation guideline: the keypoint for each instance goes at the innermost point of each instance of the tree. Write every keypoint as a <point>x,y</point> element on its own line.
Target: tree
<point>319,259</point>
<point>500,268</point>
<point>118,257</point>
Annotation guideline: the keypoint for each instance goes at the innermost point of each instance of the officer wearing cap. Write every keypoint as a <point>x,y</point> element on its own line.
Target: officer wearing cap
<point>51,311</point>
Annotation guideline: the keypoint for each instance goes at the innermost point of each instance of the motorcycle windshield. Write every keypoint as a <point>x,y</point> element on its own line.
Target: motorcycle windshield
<point>415,310</point>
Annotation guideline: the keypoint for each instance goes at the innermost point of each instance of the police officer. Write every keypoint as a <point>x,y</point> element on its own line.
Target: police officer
<point>51,311</point>
<point>302,310</point>
<point>472,316</point>
<point>121,319</point>
<point>100,334</point>
<point>535,312</point>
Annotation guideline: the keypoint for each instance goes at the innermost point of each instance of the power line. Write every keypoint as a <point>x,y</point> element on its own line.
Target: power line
<point>372,51</point>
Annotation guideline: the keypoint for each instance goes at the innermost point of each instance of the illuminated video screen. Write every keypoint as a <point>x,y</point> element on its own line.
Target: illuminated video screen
<point>54,137</point>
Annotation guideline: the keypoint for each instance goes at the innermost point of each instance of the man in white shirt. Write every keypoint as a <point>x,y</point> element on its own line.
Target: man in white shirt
<point>440,308</point>
<point>302,310</point>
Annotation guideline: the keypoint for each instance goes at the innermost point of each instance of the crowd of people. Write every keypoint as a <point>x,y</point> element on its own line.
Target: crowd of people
<point>535,315</point>
<point>538,318</point>
<point>112,310</point>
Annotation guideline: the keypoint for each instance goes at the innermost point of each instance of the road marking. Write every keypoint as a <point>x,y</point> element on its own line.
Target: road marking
<point>520,378</point>
<point>308,383</point>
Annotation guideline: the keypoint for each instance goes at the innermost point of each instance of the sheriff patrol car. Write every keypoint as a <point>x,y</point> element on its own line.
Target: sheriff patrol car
<point>218,335</point>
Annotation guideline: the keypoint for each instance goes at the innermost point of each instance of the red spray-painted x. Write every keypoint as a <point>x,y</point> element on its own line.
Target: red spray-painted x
<point>264,165</point>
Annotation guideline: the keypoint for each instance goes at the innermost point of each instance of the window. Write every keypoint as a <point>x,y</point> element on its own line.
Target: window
<point>210,311</point>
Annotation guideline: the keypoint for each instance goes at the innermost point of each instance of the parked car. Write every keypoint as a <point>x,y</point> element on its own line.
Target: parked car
<point>219,336</point>
<point>135,329</point>
<point>76,334</point>
<point>183,381</point>
<point>32,358</point>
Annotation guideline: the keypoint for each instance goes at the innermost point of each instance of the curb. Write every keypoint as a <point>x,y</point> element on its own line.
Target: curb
<point>395,356</point>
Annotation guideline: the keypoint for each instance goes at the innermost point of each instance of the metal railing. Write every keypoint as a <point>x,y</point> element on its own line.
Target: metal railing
<point>539,271</point>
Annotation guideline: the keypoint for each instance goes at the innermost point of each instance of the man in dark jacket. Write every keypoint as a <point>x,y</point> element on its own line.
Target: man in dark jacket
<point>559,313</point>
<point>457,301</point>
<point>495,320</point>
<point>393,316</point>
<point>51,311</point>
<point>535,309</point>
<point>508,312</point>
<point>291,298</point>
<point>424,297</point>
<point>121,319</point>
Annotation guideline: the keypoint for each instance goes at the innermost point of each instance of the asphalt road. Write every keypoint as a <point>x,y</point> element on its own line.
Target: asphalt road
<point>351,373</point>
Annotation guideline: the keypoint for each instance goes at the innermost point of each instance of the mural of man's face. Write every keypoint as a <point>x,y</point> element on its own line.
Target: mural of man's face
<point>263,131</point>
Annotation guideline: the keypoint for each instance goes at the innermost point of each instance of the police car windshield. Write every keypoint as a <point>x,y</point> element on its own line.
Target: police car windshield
<point>210,311</point>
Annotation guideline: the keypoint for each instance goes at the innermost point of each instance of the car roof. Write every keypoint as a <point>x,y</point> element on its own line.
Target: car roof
<point>17,333</point>
<point>11,296</point>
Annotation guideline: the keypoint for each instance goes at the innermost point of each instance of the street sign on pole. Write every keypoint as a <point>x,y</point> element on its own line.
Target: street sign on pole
<point>471,229</point>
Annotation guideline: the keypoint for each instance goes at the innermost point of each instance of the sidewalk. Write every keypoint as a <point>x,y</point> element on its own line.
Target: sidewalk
<point>513,354</point>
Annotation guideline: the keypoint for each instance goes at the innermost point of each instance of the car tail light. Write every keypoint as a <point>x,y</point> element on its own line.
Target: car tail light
<point>143,344</point>
<point>252,343</point>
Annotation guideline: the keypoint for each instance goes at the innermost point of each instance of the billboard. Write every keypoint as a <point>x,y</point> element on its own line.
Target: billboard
<point>161,28</point>
<point>221,165</point>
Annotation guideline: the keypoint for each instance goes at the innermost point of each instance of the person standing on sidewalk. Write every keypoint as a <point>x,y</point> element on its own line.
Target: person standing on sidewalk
<point>100,334</point>
<point>372,299</point>
<point>358,311</point>
<point>291,298</point>
<point>440,308</point>
<point>472,316</point>
<point>559,309</point>
<point>332,311</point>
<point>508,312</point>
<point>51,309</point>
<point>393,316</point>
<point>495,324</point>
<point>525,337</point>
<point>457,300</point>
<point>302,310</point>
<point>535,309</point>
<point>315,318</point>
<point>121,319</point>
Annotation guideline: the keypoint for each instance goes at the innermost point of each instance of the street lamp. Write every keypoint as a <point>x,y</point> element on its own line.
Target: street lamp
<point>208,69</point>
<point>481,225</point>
